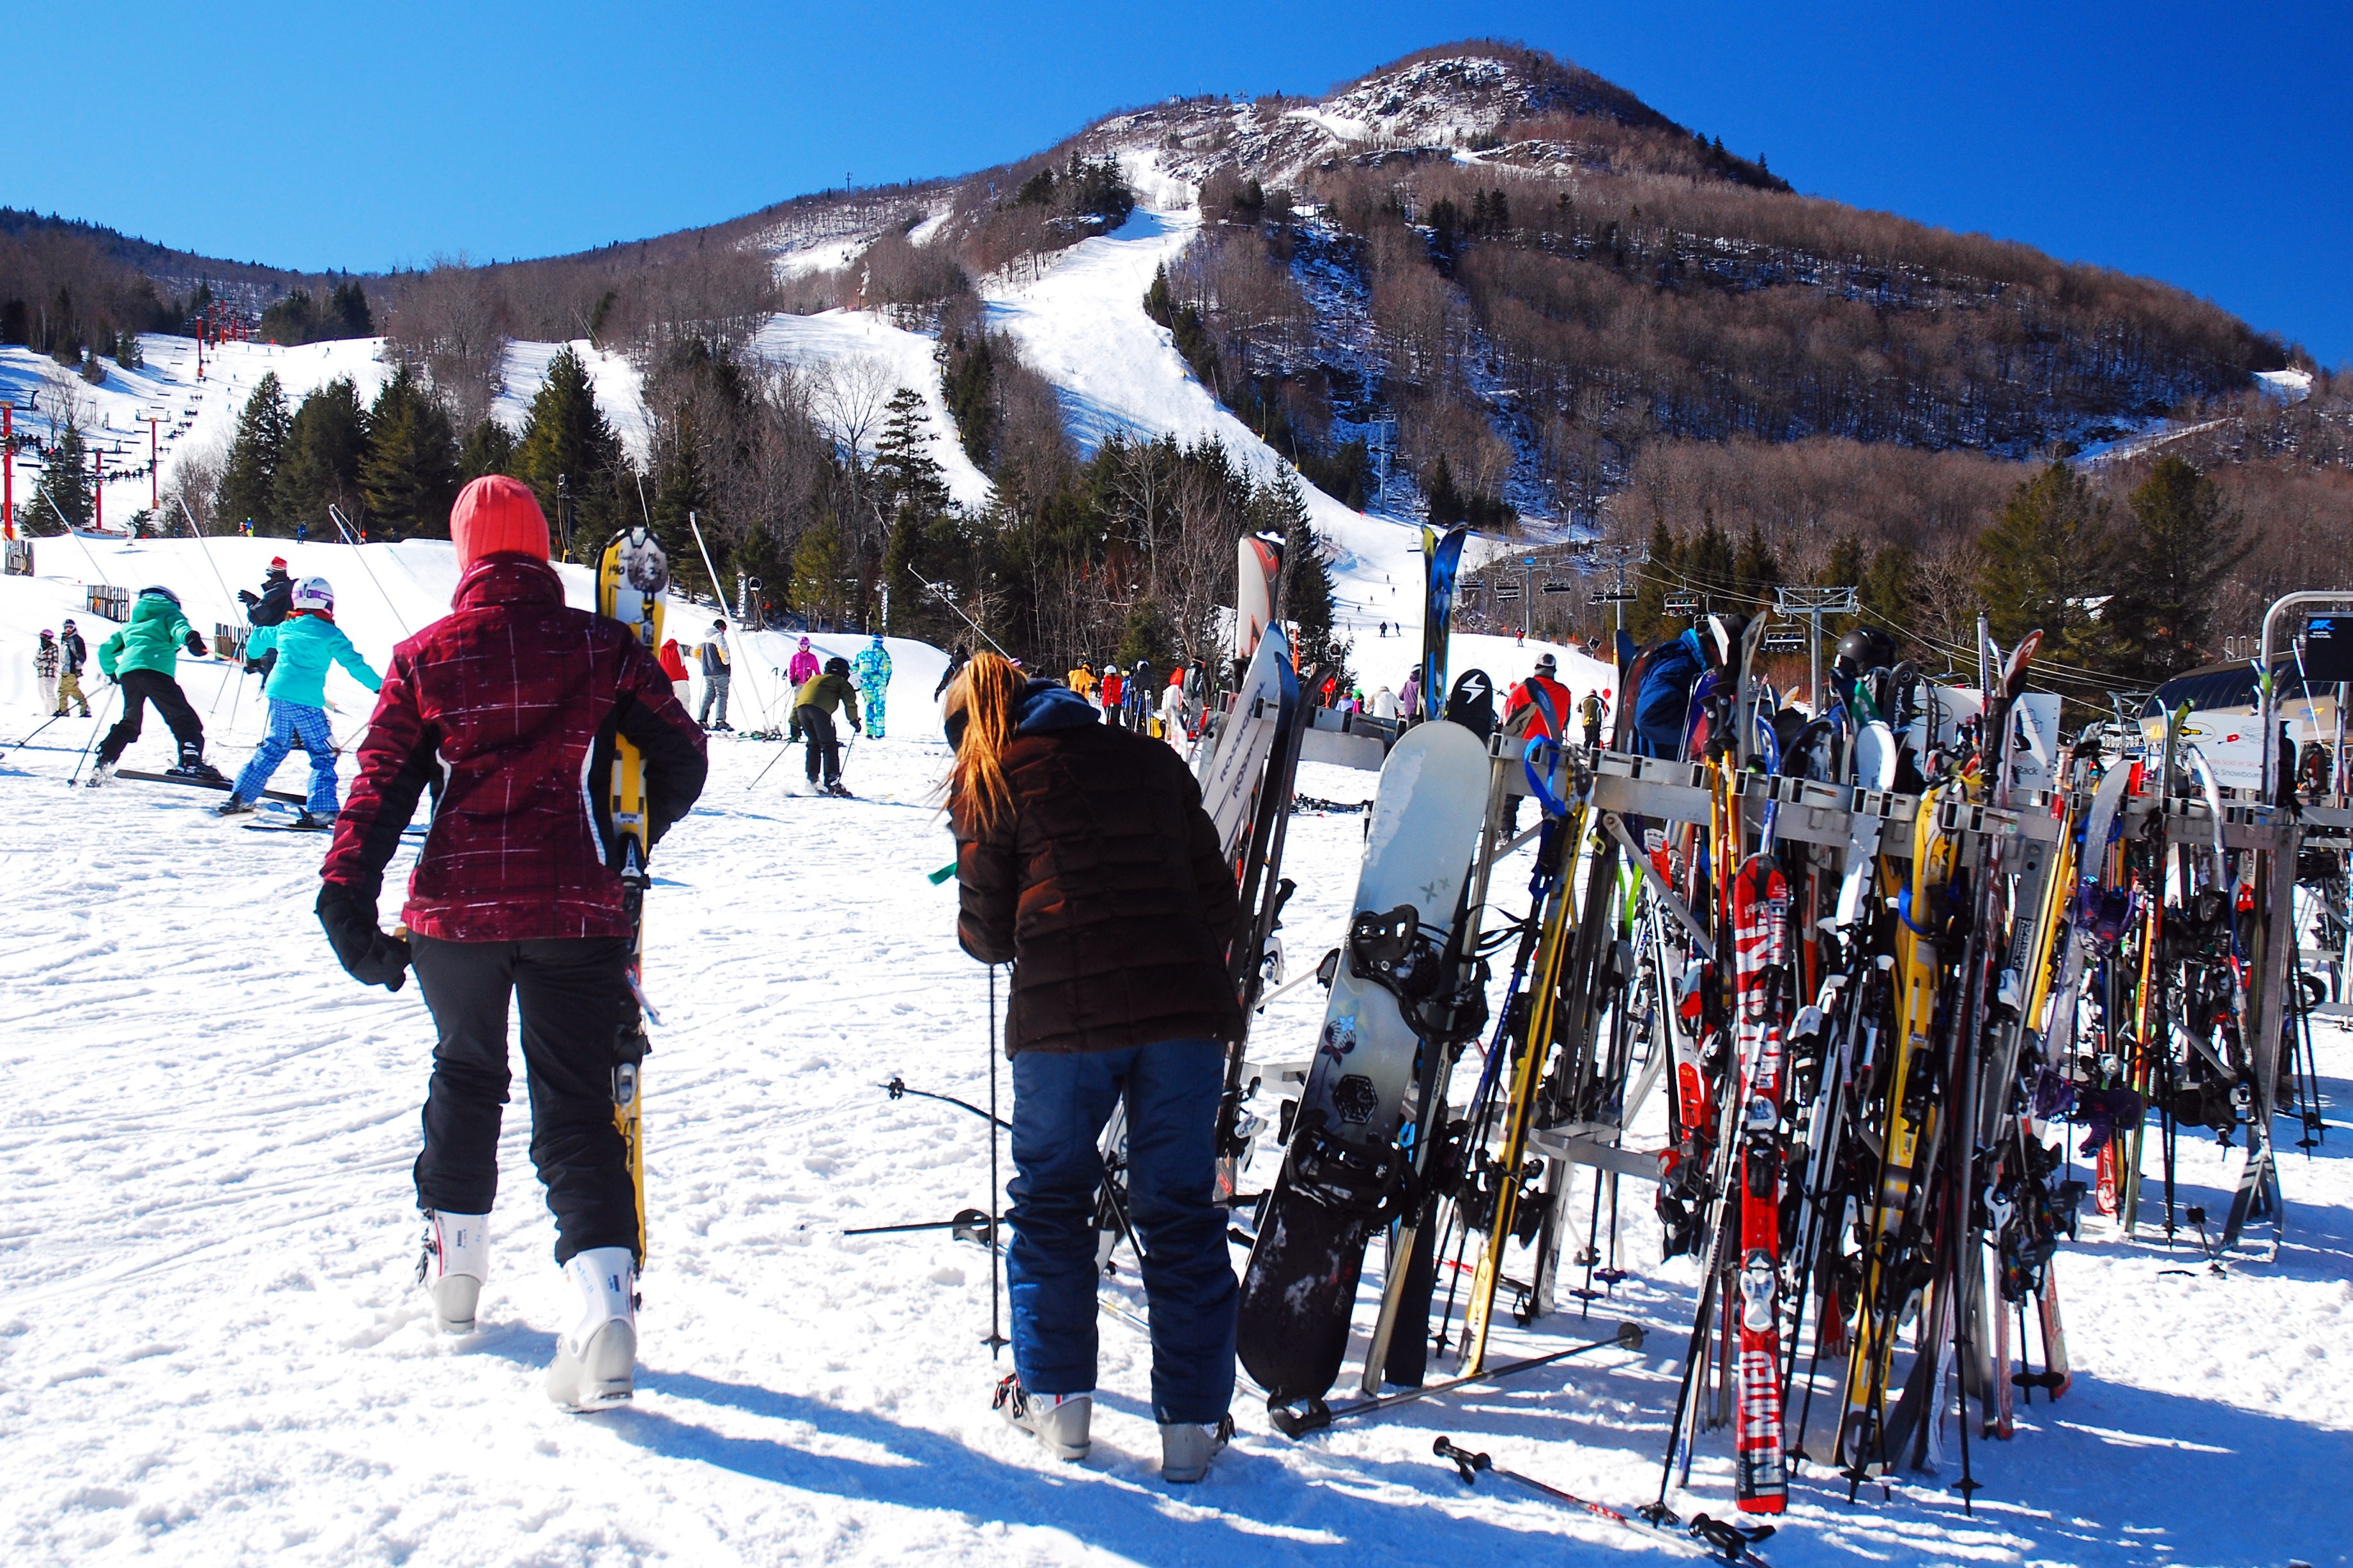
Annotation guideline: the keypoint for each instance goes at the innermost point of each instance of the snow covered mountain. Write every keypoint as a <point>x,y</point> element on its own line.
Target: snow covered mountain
<point>210,1346</point>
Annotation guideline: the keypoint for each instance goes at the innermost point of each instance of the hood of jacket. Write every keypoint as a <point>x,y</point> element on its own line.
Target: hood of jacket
<point>1045,706</point>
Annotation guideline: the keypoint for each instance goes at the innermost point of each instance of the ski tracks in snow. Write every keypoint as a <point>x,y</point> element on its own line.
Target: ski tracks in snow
<point>210,1344</point>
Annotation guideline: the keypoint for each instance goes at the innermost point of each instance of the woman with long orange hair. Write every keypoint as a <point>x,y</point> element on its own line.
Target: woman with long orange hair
<point>1085,860</point>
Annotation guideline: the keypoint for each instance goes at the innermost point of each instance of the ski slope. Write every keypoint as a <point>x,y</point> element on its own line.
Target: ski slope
<point>210,1351</point>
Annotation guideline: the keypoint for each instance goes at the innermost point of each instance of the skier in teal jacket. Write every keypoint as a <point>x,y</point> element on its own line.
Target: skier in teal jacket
<point>308,642</point>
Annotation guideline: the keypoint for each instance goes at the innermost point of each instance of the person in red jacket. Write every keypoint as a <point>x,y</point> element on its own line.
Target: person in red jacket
<point>1524,715</point>
<point>1522,700</point>
<point>502,708</point>
<point>673,663</point>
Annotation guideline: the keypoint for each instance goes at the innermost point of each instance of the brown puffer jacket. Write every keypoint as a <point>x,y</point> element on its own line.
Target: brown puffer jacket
<point>1102,888</point>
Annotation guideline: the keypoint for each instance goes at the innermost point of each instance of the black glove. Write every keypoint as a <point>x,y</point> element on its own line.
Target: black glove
<point>196,644</point>
<point>249,597</point>
<point>367,954</point>
<point>253,667</point>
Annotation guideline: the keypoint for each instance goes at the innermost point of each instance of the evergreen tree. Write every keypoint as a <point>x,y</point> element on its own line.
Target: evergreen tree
<point>248,485</point>
<point>682,498</point>
<point>1845,568</point>
<point>1710,567</point>
<point>2183,548</point>
<point>821,565</point>
<point>567,435</point>
<point>1756,569</point>
<point>1648,618</point>
<point>1282,507</point>
<point>325,444</point>
<point>2049,551</point>
<point>410,474</point>
<point>65,486</point>
<point>904,472</point>
<point>489,449</point>
<point>1885,589</point>
<point>970,385</point>
<point>1446,504</point>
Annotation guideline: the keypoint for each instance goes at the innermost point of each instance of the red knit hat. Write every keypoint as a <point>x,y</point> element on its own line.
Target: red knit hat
<point>495,514</point>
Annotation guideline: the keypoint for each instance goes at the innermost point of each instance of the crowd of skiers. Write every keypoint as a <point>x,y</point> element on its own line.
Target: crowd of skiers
<point>1081,843</point>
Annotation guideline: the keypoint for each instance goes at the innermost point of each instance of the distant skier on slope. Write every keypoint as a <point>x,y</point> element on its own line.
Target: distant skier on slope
<point>305,645</point>
<point>143,658</point>
<point>499,708</point>
<point>813,709</point>
<point>46,658</point>
<point>871,669</point>
<point>1117,941</point>
<point>715,678</point>
<point>805,667</point>
<point>73,657</point>
<point>276,599</point>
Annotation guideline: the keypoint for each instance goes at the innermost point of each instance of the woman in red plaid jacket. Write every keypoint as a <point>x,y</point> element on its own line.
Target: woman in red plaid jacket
<point>507,708</point>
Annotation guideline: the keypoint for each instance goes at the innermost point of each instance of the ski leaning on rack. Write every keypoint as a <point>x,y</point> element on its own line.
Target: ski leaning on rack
<point>1343,1174</point>
<point>1761,980</point>
<point>631,579</point>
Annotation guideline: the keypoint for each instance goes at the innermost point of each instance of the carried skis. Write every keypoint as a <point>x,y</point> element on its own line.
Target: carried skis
<point>632,577</point>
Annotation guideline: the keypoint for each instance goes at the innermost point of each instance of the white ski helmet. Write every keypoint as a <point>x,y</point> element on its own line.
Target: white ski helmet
<point>315,593</point>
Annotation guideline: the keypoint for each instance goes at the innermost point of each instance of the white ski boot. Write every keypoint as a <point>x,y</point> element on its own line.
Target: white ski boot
<point>1187,1447</point>
<point>596,1355</point>
<point>100,775</point>
<point>1059,1421</point>
<point>454,1267</point>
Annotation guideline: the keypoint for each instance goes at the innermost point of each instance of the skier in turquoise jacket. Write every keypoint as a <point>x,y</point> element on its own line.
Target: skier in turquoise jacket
<point>307,642</point>
<point>871,669</point>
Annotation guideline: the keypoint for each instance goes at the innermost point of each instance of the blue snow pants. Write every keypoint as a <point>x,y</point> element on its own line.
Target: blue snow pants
<point>292,724</point>
<point>1060,1104</point>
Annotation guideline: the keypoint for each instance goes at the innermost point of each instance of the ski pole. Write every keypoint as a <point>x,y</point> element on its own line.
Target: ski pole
<point>896,1089</point>
<point>996,1339</point>
<point>114,691</point>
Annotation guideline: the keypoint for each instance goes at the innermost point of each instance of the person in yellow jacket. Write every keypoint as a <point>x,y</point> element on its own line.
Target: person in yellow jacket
<point>1082,681</point>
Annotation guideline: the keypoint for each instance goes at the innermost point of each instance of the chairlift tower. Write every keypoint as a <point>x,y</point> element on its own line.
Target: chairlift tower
<point>1814,604</point>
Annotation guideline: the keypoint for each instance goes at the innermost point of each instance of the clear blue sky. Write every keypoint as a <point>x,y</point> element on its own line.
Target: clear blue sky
<point>2205,145</point>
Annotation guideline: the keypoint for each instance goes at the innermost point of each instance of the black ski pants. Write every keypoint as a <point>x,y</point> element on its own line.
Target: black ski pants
<point>573,994</point>
<point>824,746</point>
<point>141,686</point>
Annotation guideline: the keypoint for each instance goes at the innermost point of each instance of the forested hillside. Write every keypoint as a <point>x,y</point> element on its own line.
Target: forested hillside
<point>1478,285</point>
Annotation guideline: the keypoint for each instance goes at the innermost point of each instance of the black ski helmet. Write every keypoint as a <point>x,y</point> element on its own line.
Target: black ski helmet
<point>836,666</point>
<point>160,591</point>
<point>1861,649</point>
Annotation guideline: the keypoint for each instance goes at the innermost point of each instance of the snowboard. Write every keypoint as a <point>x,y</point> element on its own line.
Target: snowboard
<point>632,577</point>
<point>1341,1175</point>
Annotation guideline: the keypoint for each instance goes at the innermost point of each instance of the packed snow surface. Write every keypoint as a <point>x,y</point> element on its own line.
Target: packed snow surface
<point>211,1350</point>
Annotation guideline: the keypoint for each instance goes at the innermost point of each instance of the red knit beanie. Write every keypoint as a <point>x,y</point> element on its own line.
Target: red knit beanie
<point>496,513</point>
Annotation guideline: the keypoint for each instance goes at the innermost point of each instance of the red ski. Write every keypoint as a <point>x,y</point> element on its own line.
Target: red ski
<point>1760,928</point>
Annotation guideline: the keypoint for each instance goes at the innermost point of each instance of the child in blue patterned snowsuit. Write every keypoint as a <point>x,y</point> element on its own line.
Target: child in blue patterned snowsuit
<point>871,670</point>
<point>307,643</point>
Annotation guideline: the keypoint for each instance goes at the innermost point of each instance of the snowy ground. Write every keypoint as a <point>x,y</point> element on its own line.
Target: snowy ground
<point>209,1348</point>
